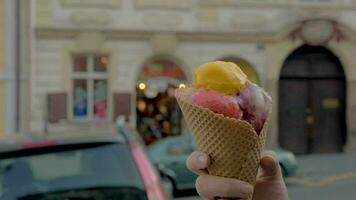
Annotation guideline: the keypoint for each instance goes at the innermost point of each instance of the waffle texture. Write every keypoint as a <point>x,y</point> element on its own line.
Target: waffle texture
<point>233,145</point>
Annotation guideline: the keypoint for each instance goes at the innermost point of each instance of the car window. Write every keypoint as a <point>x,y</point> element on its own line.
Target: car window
<point>81,168</point>
<point>71,164</point>
<point>180,147</point>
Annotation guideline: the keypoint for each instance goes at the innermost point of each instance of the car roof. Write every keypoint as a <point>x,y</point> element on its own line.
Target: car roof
<point>17,141</point>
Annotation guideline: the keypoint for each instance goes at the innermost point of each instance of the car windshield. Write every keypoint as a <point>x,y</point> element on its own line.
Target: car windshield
<point>87,171</point>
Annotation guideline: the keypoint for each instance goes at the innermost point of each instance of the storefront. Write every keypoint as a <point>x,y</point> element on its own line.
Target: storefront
<point>157,112</point>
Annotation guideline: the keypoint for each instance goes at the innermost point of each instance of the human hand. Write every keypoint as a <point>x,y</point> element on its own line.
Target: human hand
<point>269,183</point>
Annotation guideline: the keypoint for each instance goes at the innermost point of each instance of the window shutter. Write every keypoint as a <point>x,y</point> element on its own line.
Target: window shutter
<point>57,107</point>
<point>122,105</point>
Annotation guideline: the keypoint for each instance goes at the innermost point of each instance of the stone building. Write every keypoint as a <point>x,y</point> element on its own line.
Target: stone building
<point>90,59</point>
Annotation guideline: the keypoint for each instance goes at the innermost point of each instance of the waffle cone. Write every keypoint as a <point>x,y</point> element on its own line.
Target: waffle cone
<point>233,145</point>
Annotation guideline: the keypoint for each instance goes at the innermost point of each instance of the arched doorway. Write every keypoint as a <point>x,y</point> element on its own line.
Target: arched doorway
<point>157,112</point>
<point>245,67</point>
<point>312,102</point>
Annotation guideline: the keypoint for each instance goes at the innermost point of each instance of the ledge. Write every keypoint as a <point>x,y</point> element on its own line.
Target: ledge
<point>279,4</point>
<point>91,3</point>
<point>146,35</point>
<point>166,4</point>
<point>194,36</point>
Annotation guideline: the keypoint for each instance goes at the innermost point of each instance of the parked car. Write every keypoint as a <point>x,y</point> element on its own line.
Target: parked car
<point>77,166</point>
<point>169,156</point>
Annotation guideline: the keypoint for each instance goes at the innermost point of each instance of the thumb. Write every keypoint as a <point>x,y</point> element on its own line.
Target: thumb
<point>270,168</point>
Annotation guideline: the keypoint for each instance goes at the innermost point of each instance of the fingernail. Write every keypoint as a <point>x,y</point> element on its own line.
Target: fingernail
<point>272,164</point>
<point>202,158</point>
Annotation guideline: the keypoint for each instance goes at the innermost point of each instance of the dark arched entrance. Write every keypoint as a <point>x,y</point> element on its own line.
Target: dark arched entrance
<point>312,102</point>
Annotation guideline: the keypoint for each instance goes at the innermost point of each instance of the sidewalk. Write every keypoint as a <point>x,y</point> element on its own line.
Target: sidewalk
<point>324,176</point>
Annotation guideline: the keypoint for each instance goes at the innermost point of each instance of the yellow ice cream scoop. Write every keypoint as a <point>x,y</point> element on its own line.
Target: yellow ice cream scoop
<point>220,76</point>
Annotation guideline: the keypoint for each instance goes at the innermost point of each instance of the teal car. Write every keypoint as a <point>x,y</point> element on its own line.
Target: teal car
<point>169,156</point>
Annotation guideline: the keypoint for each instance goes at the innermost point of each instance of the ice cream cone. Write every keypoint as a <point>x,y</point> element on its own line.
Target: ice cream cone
<point>233,145</point>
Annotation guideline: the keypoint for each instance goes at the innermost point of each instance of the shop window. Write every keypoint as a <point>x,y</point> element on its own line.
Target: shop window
<point>90,87</point>
<point>157,112</point>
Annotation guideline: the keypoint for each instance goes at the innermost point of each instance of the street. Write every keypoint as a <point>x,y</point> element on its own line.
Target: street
<point>320,177</point>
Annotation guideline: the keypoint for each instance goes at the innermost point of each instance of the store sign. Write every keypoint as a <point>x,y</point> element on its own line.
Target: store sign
<point>168,72</point>
<point>162,68</point>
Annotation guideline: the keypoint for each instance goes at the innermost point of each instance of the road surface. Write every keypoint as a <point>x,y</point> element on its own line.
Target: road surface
<point>320,177</point>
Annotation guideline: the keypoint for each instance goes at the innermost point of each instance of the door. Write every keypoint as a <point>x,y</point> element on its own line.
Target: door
<point>329,123</point>
<point>312,102</point>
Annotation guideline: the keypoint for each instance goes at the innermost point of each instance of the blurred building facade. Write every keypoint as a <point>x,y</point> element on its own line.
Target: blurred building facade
<point>93,60</point>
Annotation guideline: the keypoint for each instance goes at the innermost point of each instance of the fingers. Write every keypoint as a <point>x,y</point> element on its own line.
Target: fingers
<point>211,187</point>
<point>270,166</point>
<point>198,162</point>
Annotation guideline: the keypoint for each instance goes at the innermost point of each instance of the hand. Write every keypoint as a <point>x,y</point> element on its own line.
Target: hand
<point>269,184</point>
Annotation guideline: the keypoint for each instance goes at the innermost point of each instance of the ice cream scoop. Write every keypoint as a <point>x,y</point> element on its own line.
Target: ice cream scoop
<point>218,103</point>
<point>223,77</point>
<point>219,82</point>
<point>255,103</point>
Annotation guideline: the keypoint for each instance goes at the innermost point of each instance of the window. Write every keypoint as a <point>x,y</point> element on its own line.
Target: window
<point>73,170</point>
<point>90,87</point>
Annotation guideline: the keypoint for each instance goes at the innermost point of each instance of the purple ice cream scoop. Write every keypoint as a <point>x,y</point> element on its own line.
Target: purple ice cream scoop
<point>255,104</point>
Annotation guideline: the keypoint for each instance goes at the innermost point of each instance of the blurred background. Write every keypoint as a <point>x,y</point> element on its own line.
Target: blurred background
<point>76,66</point>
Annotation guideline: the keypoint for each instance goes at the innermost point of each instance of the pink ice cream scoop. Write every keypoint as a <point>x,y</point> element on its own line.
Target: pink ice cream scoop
<point>218,103</point>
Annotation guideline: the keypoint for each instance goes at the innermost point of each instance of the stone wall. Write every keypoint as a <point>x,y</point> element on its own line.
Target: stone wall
<point>187,15</point>
<point>47,76</point>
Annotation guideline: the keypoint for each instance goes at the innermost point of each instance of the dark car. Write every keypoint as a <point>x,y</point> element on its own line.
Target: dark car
<point>170,154</point>
<point>76,167</point>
